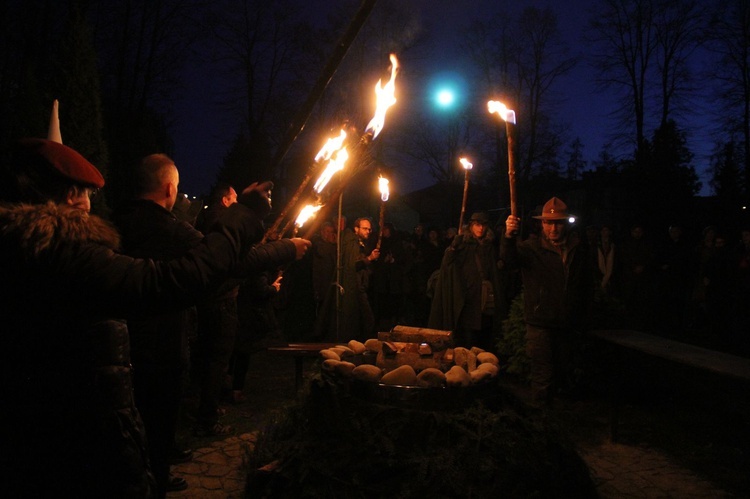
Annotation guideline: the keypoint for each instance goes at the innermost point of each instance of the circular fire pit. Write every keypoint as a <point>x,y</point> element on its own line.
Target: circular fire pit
<point>412,368</point>
<point>352,438</point>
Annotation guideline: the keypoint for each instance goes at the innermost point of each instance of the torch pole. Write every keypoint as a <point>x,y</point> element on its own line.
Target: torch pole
<point>509,127</point>
<point>339,266</point>
<point>292,202</point>
<point>463,202</point>
<point>380,224</point>
<point>316,92</point>
<point>288,226</point>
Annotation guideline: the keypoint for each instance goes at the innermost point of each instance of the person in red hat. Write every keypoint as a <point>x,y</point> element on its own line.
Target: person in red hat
<point>556,281</point>
<point>68,421</point>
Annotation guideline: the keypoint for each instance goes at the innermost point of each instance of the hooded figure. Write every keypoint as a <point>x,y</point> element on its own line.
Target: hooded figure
<point>457,303</point>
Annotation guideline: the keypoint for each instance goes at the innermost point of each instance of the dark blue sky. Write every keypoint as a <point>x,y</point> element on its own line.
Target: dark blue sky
<point>201,142</point>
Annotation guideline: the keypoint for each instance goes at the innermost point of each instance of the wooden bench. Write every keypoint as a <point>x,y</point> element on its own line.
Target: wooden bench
<point>723,364</point>
<point>299,352</point>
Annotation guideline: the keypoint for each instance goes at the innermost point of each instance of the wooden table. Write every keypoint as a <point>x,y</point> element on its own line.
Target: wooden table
<point>299,352</point>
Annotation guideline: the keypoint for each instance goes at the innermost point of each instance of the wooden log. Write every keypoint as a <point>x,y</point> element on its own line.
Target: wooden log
<point>436,338</point>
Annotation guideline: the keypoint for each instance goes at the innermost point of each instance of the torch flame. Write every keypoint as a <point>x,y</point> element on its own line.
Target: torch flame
<point>506,114</point>
<point>385,99</point>
<point>466,164</point>
<point>383,186</point>
<point>336,154</point>
<point>305,214</point>
<point>331,146</point>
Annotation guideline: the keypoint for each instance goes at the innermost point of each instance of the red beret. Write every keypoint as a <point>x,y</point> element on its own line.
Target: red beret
<point>64,160</point>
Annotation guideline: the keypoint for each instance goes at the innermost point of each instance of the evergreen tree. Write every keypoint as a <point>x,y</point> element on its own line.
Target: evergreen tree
<point>576,164</point>
<point>605,162</point>
<point>27,31</point>
<point>76,86</point>
<point>672,158</point>
<point>247,161</point>
<point>661,181</point>
<point>726,174</point>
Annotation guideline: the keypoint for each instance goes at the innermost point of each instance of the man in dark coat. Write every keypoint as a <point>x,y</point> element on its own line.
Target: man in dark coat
<point>218,324</point>
<point>557,278</point>
<point>158,343</point>
<point>356,318</point>
<point>68,420</point>
<point>457,303</point>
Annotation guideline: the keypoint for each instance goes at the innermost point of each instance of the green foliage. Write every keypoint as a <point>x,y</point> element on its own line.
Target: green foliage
<point>337,445</point>
<point>512,344</point>
<point>726,178</point>
<point>247,161</point>
<point>75,82</point>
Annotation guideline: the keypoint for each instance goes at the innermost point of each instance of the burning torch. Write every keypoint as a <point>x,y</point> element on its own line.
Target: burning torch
<point>467,167</point>
<point>509,116</point>
<point>385,95</point>
<point>384,194</point>
<point>330,149</point>
<point>334,156</point>
<point>304,215</point>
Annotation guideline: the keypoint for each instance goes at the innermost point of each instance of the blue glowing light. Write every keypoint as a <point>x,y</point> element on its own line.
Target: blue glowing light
<point>446,97</point>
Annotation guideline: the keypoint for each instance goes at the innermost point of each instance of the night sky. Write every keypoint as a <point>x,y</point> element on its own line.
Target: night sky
<point>201,141</point>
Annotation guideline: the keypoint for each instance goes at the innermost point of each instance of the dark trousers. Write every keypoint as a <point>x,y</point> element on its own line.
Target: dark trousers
<point>158,395</point>
<point>238,366</point>
<point>217,329</point>
<point>551,353</point>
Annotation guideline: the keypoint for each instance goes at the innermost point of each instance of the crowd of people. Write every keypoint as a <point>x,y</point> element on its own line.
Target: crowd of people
<point>83,413</point>
<point>104,321</point>
<point>666,282</point>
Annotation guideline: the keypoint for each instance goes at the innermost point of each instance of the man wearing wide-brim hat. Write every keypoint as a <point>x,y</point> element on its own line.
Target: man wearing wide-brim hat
<point>556,278</point>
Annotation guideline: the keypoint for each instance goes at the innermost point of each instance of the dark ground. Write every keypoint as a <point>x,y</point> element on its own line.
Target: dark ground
<point>699,421</point>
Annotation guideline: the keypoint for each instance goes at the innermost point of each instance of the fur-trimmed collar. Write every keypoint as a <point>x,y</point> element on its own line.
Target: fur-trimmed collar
<point>36,228</point>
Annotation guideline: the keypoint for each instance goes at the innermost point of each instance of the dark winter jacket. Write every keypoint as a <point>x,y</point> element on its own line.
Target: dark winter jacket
<point>148,230</point>
<point>68,419</point>
<point>356,319</point>
<point>556,293</point>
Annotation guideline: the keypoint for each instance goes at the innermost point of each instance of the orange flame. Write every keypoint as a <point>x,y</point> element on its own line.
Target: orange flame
<point>305,214</point>
<point>383,186</point>
<point>385,99</point>
<point>506,114</point>
<point>465,163</point>
<point>331,146</point>
<point>336,154</point>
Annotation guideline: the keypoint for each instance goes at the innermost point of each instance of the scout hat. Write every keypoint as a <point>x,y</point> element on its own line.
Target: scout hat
<point>554,209</point>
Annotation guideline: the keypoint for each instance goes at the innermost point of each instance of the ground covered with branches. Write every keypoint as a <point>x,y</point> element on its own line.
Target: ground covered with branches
<point>335,444</point>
